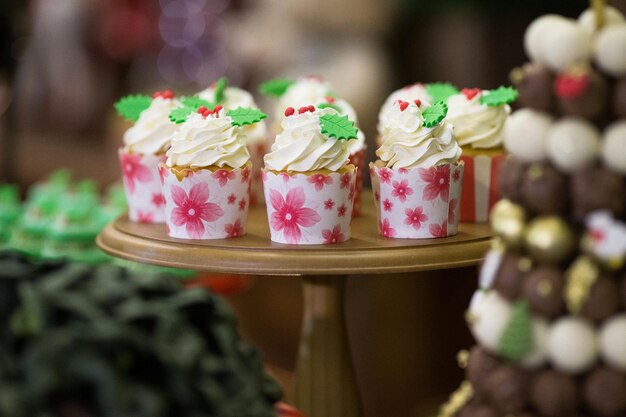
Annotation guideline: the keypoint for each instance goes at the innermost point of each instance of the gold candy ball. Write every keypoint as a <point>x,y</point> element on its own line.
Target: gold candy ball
<point>549,239</point>
<point>508,221</point>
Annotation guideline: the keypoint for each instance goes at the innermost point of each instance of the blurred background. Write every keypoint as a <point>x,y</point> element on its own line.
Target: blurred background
<point>64,62</point>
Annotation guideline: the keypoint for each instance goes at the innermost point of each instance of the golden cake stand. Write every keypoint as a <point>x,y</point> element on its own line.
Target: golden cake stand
<point>325,381</point>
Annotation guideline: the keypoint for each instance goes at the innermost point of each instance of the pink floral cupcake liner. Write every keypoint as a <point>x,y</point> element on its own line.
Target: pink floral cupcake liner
<point>358,160</point>
<point>140,175</point>
<point>206,204</point>
<point>309,209</point>
<point>257,151</point>
<point>417,203</point>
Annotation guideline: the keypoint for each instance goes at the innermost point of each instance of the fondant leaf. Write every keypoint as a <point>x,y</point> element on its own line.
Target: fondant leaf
<point>500,96</point>
<point>434,114</point>
<point>517,338</point>
<point>130,107</point>
<point>339,127</point>
<point>441,91</point>
<point>181,114</point>
<point>196,102</point>
<point>245,116</point>
<point>276,87</point>
<point>220,88</point>
<point>329,106</point>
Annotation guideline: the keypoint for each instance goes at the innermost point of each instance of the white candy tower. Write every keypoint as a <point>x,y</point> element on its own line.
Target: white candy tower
<point>549,317</point>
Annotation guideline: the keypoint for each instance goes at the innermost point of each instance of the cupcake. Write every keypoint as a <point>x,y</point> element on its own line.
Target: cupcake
<point>479,117</point>
<point>417,92</point>
<point>417,179</point>
<point>298,94</point>
<point>145,144</point>
<point>10,210</point>
<point>256,135</point>
<point>309,181</point>
<point>206,178</point>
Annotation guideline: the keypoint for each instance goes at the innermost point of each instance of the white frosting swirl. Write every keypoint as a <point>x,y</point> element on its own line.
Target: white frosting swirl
<point>236,97</point>
<point>212,141</point>
<point>152,132</point>
<point>409,93</point>
<point>475,124</point>
<point>302,147</point>
<point>406,143</point>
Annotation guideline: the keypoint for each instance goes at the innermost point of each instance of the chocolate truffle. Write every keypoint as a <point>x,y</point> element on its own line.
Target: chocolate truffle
<point>474,410</point>
<point>605,392</point>
<point>480,365</point>
<point>510,276</point>
<point>534,84</point>
<point>619,98</point>
<point>597,188</point>
<point>544,189</point>
<point>543,290</point>
<point>512,174</point>
<point>602,300</point>
<point>581,93</point>
<point>508,388</point>
<point>554,394</point>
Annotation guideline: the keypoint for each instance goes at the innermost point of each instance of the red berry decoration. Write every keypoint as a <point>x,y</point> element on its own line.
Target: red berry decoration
<point>403,105</point>
<point>417,102</point>
<point>330,99</point>
<point>570,86</point>
<point>303,109</point>
<point>289,111</point>
<point>206,113</point>
<point>217,108</point>
<point>311,108</point>
<point>470,93</point>
<point>202,109</point>
<point>167,94</point>
<point>156,94</point>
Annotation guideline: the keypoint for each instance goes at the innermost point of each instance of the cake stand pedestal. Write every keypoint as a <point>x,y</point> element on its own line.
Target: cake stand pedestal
<point>325,380</point>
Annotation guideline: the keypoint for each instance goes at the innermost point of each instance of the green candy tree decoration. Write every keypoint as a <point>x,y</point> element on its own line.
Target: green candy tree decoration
<point>130,107</point>
<point>276,87</point>
<point>441,91</point>
<point>434,114</point>
<point>517,339</point>
<point>500,96</point>
<point>338,127</point>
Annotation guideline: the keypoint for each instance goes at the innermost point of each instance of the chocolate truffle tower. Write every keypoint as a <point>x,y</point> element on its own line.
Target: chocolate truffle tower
<point>550,314</point>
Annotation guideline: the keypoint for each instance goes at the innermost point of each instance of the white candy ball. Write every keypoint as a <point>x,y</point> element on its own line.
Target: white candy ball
<point>612,16</point>
<point>536,32</point>
<point>538,356</point>
<point>614,146</point>
<point>491,313</point>
<point>525,134</point>
<point>573,143</point>
<point>493,260</point>
<point>572,345</point>
<point>564,45</point>
<point>610,50</point>
<point>613,342</point>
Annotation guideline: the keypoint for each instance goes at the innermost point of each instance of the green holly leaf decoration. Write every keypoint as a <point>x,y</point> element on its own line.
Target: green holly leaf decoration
<point>339,127</point>
<point>441,91</point>
<point>276,87</point>
<point>196,102</point>
<point>245,116</point>
<point>130,107</point>
<point>329,106</point>
<point>517,339</point>
<point>434,114</point>
<point>218,91</point>
<point>9,194</point>
<point>500,96</point>
<point>181,114</point>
